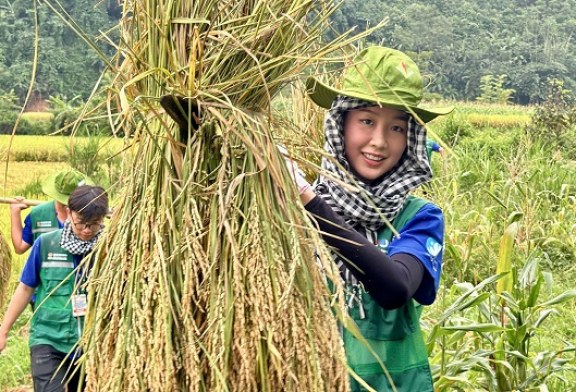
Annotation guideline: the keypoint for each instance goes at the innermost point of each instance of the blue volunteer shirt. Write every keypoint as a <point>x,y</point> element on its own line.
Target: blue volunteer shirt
<point>31,271</point>
<point>423,237</point>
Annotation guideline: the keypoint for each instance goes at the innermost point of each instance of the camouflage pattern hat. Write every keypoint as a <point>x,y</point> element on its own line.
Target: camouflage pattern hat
<point>60,186</point>
<point>382,75</point>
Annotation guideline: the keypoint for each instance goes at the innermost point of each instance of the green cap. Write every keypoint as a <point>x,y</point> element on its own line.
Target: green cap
<point>381,75</point>
<point>60,186</point>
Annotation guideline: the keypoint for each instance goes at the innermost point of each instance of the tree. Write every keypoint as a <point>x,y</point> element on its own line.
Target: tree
<point>67,66</point>
<point>493,90</point>
<point>462,41</point>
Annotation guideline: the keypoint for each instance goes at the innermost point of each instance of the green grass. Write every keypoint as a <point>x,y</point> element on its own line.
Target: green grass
<point>15,359</point>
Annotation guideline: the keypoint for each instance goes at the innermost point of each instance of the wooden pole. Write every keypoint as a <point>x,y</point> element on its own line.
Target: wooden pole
<point>13,200</point>
<point>31,203</point>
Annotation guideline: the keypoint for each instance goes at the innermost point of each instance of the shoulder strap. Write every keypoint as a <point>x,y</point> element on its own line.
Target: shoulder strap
<point>411,206</point>
<point>45,207</point>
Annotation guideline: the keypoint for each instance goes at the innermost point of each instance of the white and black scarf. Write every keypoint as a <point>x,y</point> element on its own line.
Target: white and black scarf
<point>75,245</point>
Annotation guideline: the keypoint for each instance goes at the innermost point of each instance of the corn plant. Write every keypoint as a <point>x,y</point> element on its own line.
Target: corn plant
<point>485,337</point>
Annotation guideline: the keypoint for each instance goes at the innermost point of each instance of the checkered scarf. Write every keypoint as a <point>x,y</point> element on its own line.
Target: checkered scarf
<point>375,201</point>
<point>75,245</point>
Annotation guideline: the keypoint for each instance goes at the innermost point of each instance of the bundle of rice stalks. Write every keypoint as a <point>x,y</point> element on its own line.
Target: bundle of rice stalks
<point>308,118</point>
<point>207,280</point>
<point>5,268</point>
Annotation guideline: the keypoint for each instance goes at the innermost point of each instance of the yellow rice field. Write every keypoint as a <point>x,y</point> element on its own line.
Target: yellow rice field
<point>47,148</point>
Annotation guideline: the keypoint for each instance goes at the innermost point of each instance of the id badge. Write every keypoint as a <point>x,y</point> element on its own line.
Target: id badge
<point>79,305</point>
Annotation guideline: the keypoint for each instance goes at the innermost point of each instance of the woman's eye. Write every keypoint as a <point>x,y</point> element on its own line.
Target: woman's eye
<point>397,128</point>
<point>367,121</point>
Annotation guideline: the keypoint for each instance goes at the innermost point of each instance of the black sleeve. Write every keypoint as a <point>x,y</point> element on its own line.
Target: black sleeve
<point>391,281</point>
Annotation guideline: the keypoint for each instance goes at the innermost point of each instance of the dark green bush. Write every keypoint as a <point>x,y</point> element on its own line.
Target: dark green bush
<point>9,111</point>
<point>25,127</point>
<point>554,122</point>
<point>67,112</point>
<point>454,128</point>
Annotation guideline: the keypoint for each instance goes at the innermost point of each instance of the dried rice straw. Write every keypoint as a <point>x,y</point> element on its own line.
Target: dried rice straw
<point>208,279</point>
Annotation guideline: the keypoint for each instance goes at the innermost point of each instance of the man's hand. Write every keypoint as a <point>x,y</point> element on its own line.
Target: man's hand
<point>18,303</point>
<point>18,204</point>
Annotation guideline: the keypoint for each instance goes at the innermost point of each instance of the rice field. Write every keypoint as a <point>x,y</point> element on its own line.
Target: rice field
<point>38,116</point>
<point>479,108</point>
<point>491,177</point>
<point>32,148</point>
<point>483,115</point>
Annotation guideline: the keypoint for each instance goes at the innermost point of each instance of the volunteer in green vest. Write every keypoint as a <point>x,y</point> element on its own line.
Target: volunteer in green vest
<point>375,139</point>
<point>55,271</point>
<point>48,216</point>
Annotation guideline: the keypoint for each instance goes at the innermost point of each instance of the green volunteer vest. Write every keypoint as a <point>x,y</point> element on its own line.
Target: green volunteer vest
<point>394,335</point>
<point>43,219</point>
<point>52,322</point>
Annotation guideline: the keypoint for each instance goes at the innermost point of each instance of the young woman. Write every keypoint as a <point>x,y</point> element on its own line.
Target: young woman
<point>376,142</point>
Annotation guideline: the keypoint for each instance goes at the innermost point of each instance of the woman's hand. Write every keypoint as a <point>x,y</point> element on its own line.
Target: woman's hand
<point>304,189</point>
<point>296,174</point>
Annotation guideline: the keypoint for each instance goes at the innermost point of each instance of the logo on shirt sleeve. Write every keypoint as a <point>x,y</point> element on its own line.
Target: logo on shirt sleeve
<point>434,248</point>
<point>383,245</point>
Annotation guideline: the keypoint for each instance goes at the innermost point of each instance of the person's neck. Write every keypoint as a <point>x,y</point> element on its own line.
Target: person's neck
<point>60,211</point>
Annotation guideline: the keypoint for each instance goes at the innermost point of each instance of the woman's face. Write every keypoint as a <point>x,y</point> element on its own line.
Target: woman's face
<point>82,229</point>
<point>374,140</point>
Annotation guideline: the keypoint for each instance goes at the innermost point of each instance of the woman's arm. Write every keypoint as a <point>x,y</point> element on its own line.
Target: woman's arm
<point>391,281</point>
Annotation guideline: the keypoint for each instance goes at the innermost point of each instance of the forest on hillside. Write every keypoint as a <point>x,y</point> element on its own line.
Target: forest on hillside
<point>458,42</point>
<point>67,66</point>
<point>521,44</point>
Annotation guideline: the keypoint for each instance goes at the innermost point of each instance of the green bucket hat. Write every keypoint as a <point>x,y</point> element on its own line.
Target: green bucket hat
<point>382,75</point>
<point>60,186</point>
